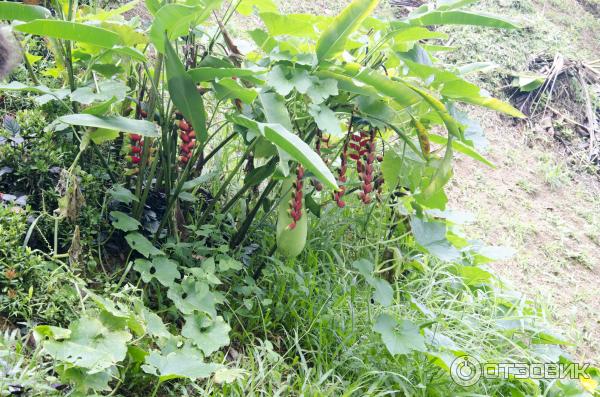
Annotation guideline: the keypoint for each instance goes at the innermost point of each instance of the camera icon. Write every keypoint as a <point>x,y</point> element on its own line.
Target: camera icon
<point>465,370</point>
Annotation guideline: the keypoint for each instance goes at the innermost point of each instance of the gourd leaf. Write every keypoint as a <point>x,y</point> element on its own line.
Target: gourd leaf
<point>400,337</point>
<point>182,363</point>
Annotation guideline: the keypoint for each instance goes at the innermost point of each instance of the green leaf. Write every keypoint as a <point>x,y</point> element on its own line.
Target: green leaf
<point>462,148</point>
<point>275,110</point>
<point>71,31</point>
<point>326,120</point>
<point>364,267</point>
<point>91,345</point>
<point>122,195</point>
<point>333,39</point>
<point>415,34</point>
<point>142,245</point>
<point>161,268</point>
<point>176,19</point>
<point>284,80</point>
<point>455,17</point>
<point>259,174</point>
<point>184,94</point>
<point>100,110</point>
<point>193,295</point>
<point>199,180</point>
<point>182,363</point>
<point>10,10</point>
<point>228,375</point>
<point>229,88</point>
<point>398,91</point>
<point>105,90</point>
<point>299,25</point>
<point>292,145</point>
<point>400,337</point>
<point>206,334</point>
<point>384,294</point>
<point>321,89</point>
<point>117,123</point>
<point>212,73</point>
<point>124,222</point>
<point>101,135</point>
<point>432,237</point>
<point>246,7</point>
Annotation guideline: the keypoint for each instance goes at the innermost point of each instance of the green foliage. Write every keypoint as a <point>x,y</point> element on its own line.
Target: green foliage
<point>178,144</point>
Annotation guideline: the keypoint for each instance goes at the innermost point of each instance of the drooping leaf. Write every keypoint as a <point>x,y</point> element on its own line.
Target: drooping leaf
<point>300,25</point>
<point>462,148</point>
<point>400,337</point>
<point>10,11</point>
<point>73,31</point>
<point>292,145</point>
<point>228,88</point>
<point>124,222</point>
<point>142,245</point>
<point>117,123</point>
<point>334,38</point>
<point>458,17</point>
<point>184,94</point>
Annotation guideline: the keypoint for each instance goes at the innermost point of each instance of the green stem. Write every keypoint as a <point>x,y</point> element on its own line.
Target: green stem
<point>225,184</point>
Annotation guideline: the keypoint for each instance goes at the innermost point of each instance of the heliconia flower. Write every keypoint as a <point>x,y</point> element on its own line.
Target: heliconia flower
<point>188,139</point>
<point>295,209</point>
<point>135,137</point>
<point>366,171</point>
<point>135,159</point>
<point>136,149</point>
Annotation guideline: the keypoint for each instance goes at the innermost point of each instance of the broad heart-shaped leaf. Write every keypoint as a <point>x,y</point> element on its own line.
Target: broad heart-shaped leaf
<point>161,268</point>
<point>10,10</point>
<point>124,222</point>
<point>142,245</point>
<point>456,17</point>
<point>384,294</point>
<point>193,295</point>
<point>91,345</point>
<point>293,145</point>
<point>106,90</point>
<point>326,119</point>
<point>432,237</point>
<point>117,123</point>
<point>122,195</point>
<point>206,334</point>
<point>333,39</point>
<point>184,94</point>
<point>71,31</point>
<point>400,337</point>
<point>176,19</point>
<point>183,363</point>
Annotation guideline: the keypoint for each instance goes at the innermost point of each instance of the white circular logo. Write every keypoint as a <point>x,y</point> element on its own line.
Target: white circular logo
<point>465,371</point>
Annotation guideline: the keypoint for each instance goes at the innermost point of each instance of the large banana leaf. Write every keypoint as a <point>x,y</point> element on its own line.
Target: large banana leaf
<point>71,31</point>
<point>10,10</point>
<point>396,90</point>
<point>184,93</point>
<point>116,123</point>
<point>176,19</point>
<point>456,17</point>
<point>333,39</point>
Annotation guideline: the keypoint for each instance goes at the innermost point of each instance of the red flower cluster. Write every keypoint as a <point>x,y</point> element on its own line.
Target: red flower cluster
<point>136,148</point>
<point>365,172</point>
<point>320,139</point>
<point>295,210</point>
<point>188,140</point>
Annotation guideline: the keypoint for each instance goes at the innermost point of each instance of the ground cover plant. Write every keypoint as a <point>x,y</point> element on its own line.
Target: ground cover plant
<point>183,217</point>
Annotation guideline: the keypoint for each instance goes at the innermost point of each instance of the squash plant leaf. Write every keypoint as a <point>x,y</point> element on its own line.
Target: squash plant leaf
<point>182,363</point>
<point>124,222</point>
<point>206,334</point>
<point>400,337</point>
